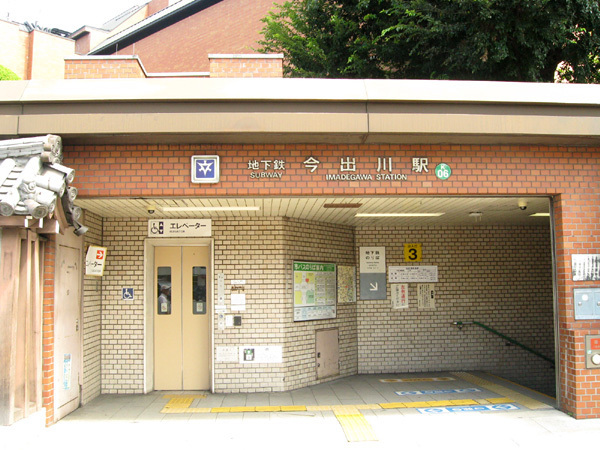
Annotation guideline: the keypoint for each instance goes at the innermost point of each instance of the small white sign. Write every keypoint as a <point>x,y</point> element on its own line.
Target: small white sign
<point>179,228</point>
<point>238,301</point>
<point>426,296</point>
<point>372,259</point>
<point>399,296</point>
<point>261,354</point>
<point>94,261</point>
<point>227,354</point>
<point>413,274</point>
<point>585,267</point>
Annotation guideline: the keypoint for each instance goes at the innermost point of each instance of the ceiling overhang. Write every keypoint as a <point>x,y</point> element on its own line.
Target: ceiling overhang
<point>301,111</point>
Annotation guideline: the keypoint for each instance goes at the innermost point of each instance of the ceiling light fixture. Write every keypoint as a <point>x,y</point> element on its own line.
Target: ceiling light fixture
<point>209,208</point>
<point>540,214</point>
<point>400,215</point>
<point>342,205</point>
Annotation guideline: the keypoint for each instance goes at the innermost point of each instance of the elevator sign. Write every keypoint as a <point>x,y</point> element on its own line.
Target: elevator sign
<point>179,228</point>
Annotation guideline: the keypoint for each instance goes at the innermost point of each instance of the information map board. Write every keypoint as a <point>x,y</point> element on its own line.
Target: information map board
<point>315,291</point>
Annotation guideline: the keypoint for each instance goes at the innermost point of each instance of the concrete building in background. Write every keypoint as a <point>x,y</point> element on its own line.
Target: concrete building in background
<point>166,37</point>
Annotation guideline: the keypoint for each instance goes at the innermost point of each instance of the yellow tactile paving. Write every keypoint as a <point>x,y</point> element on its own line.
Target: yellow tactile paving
<point>293,408</point>
<point>368,407</point>
<point>319,408</point>
<point>177,405</point>
<point>511,395</point>
<point>243,409</point>
<point>355,426</point>
<point>220,409</point>
<point>392,405</point>
<point>184,396</point>
<point>497,401</point>
<point>268,408</point>
<point>415,380</point>
<point>182,405</point>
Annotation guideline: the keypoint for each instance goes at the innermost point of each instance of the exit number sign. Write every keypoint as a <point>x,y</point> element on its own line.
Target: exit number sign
<point>413,253</point>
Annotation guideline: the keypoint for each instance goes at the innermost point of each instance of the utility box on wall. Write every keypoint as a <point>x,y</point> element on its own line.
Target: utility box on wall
<point>592,352</point>
<point>586,303</point>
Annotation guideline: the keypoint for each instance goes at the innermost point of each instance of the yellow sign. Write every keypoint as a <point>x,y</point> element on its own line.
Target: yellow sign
<point>413,253</point>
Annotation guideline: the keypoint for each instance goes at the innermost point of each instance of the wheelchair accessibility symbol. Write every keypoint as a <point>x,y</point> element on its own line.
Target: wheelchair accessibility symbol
<point>157,228</point>
<point>127,293</point>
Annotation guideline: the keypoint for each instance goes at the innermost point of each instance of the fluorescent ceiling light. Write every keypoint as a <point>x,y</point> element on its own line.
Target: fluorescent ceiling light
<point>401,215</point>
<point>210,208</point>
<point>342,205</point>
<point>540,215</point>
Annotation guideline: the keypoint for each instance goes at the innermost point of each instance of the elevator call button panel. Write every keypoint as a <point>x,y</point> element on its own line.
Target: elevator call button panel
<point>592,352</point>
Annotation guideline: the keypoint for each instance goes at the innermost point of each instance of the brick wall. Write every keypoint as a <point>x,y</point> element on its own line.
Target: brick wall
<point>498,276</point>
<point>229,26</point>
<point>568,174</point>
<point>246,66</point>
<point>92,317</point>
<point>48,329</point>
<point>87,67</point>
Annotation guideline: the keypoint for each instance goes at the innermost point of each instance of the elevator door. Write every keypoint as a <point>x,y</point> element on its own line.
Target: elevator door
<point>181,318</point>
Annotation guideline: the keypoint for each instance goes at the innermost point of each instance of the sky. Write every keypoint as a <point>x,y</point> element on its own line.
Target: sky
<point>68,15</point>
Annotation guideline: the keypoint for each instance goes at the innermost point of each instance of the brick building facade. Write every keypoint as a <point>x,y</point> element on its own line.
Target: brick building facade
<point>299,159</point>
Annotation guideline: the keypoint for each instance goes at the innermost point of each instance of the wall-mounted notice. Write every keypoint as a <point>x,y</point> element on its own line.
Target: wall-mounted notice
<point>227,354</point>
<point>260,354</point>
<point>413,274</point>
<point>585,267</point>
<point>399,296</point>
<point>372,273</point>
<point>315,291</point>
<point>346,284</point>
<point>426,296</point>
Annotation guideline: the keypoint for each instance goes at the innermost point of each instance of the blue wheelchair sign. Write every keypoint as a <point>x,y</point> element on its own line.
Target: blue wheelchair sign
<point>127,293</point>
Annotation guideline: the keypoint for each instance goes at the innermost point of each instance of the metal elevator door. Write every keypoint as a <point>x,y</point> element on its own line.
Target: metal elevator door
<point>181,318</point>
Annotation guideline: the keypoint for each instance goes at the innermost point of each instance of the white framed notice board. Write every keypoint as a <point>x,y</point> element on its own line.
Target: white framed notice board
<point>315,291</point>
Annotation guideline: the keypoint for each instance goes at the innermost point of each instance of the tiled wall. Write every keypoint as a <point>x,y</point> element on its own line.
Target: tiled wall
<point>317,242</point>
<point>494,275</point>
<point>123,320</point>
<point>259,251</point>
<point>498,276</point>
<point>92,316</point>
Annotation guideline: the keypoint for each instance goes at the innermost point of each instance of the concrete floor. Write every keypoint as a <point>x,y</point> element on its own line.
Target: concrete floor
<point>416,411</point>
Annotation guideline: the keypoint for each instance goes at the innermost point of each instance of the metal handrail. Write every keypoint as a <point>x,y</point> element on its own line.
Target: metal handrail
<point>460,325</point>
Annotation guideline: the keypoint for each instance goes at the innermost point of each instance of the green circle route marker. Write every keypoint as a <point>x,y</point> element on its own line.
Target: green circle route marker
<point>443,171</point>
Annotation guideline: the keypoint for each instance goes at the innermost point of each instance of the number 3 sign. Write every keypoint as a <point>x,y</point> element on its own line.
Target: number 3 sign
<point>413,252</point>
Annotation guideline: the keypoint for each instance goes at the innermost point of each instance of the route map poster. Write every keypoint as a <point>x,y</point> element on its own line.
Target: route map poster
<point>315,291</point>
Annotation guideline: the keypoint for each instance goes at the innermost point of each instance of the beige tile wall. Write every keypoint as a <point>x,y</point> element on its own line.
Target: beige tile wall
<point>501,277</point>
<point>498,276</point>
<point>123,321</point>
<point>92,316</point>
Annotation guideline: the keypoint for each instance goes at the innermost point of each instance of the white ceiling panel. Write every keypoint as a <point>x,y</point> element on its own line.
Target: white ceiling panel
<point>456,211</point>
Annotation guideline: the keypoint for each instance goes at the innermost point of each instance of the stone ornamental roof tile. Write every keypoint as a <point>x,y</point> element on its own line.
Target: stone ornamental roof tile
<point>33,182</point>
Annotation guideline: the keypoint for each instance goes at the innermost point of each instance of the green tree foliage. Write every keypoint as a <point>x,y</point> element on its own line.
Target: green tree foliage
<point>513,40</point>
<point>7,74</point>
